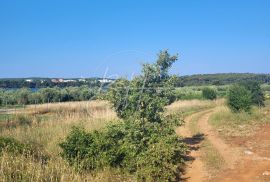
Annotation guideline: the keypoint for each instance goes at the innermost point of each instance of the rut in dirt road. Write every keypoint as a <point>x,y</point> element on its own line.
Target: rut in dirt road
<point>196,170</point>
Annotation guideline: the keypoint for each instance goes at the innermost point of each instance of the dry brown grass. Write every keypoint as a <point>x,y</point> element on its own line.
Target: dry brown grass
<point>57,121</point>
<point>187,107</point>
<point>239,124</point>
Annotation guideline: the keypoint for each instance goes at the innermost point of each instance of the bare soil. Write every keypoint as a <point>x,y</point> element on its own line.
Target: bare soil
<point>247,159</point>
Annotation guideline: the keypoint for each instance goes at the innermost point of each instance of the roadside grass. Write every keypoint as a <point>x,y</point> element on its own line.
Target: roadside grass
<point>188,107</point>
<point>231,124</point>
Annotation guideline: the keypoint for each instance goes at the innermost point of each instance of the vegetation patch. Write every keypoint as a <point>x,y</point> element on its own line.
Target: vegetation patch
<point>212,158</point>
<point>238,124</point>
<point>145,143</point>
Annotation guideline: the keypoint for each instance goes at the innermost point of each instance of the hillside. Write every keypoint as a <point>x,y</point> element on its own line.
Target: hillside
<point>222,79</point>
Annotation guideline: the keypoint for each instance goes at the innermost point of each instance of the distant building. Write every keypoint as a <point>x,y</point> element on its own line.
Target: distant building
<point>29,80</point>
<point>55,80</point>
<point>82,80</point>
<point>105,80</point>
<point>61,80</point>
<point>67,81</point>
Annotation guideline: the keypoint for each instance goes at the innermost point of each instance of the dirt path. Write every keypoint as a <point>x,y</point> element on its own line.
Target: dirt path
<point>228,153</point>
<point>195,171</point>
<point>246,160</point>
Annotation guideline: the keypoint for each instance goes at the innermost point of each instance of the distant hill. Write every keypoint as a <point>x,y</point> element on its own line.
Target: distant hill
<point>191,80</point>
<point>221,79</point>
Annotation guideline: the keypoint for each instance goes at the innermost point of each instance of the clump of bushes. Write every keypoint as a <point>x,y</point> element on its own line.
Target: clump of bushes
<point>13,146</point>
<point>144,142</point>
<point>239,99</point>
<point>209,93</point>
<point>257,96</point>
<point>242,96</point>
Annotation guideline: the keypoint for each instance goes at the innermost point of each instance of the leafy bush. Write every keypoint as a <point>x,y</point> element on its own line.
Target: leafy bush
<point>209,94</point>
<point>13,146</point>
<point>257,95</point>
<point>144,143</point>
<point>239,99</point>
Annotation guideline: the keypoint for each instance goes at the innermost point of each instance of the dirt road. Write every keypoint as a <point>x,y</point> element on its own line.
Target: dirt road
<point>245,159</point>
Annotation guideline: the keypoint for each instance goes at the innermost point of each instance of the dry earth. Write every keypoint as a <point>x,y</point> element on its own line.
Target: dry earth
<point>246,159</point>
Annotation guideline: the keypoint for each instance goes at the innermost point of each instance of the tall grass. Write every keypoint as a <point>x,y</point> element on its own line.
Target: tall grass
<point>57,121</point>
<point>239,124</point>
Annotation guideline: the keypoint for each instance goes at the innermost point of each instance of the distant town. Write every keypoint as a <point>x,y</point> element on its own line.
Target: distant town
<point>11,83</point>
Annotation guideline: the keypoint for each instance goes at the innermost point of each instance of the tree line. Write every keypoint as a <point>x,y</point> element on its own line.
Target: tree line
<point>16,83</point>
<point>221,79</point>
<point>26,96</point>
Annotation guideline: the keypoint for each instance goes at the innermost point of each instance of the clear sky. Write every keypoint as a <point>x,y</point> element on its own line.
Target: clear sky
<point>63,38</point>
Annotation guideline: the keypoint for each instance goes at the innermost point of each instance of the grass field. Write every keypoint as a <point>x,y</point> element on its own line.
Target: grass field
<point>45,126</point>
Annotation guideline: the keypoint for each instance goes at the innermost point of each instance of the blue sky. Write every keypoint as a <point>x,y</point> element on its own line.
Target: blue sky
<point>86,38</point>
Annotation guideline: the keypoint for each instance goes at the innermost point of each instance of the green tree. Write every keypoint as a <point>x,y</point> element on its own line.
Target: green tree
<point>239,99</point>
<point>144,142</point>
<point>23,96</point>
<point>257,95</point>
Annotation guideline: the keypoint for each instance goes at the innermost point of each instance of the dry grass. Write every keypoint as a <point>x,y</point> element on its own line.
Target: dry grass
<point>57,121</point>
<point>187,107</point>
<point>239,124</point>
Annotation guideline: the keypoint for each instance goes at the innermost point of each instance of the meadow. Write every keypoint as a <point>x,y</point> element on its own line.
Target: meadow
<point>44,126</point>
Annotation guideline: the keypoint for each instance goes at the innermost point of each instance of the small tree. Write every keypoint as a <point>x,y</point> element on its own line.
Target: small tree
<point>257,95</point>
<point>239,99</point>
<point>209,93</point>
<point>144,142</point>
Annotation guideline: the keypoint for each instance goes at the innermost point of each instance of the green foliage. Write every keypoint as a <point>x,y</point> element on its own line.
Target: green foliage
<point>161,161</point>
<point>209,93</point>
<point>221,79</point>
<point>47,95</point>
<point>15,147</point>
<point>144,143</point>
<point>257,95</point>
<point>147,94</point>
<point>11,145</point>
<point>239,99</point>
<point>23,96</point>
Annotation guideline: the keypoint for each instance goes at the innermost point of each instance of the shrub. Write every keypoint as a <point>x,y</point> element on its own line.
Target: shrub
<point>144,143</point>
<point>15,147</point>
<point>239,99</point>
<point>257,96</point>
<point>11,145</point>
<point>209,94</point>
